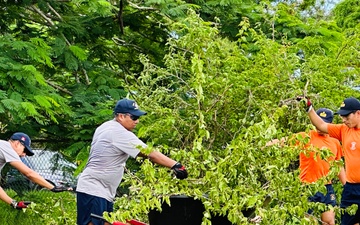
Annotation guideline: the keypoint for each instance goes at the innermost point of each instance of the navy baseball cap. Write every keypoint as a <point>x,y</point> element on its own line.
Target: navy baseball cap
<point>348,106</point>
<point>325,114</point>
<point>25,140</point>
<point>128,106</point>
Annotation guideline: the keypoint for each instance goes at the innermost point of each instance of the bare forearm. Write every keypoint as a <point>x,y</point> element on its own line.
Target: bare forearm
<point>342,176</point>
<point>31,175</point>
<point>36,178</point>
<point>280,142</point>
<point>4,196</point>
<point>161,159</point>
<point>317,121</point>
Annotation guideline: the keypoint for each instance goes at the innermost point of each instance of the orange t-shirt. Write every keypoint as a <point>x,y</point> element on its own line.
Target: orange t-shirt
<point>350,139</point>
<point>312,167</point>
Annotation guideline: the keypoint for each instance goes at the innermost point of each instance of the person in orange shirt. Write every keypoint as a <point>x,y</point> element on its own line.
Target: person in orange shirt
<point>312,167</point>
<point>349,135</point>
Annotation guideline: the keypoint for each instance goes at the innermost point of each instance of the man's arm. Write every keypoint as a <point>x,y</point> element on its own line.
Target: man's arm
<point>342,176</point>
<point>4,196</point>
<point>32,175</point>
<point>159,158</point>
<point>317,121</point>
<point>15,204</point>
<point>314,118</point>
<point>280,142</point>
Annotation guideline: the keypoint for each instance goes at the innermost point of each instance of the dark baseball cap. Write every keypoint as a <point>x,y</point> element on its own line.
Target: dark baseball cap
<point>325,114</point>
<point>25,140</point>
<point>348,106</point>
<point>128,106</point>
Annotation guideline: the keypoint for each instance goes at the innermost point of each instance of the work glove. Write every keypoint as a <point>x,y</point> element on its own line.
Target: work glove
<point>118,223</point>
<point>306,101</point>
<point>133,222</point>
<point>60,189</point>
<point>20,205</point>
<point>180,171</point>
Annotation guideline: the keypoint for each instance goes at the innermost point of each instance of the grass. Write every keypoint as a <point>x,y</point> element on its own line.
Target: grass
<point>47,208</point>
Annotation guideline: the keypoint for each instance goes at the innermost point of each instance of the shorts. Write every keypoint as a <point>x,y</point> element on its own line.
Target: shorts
<point>87,204</point>
<point>350,195</point>
<point>328,199</point>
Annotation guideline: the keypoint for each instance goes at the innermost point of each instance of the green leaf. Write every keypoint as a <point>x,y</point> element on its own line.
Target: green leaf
<point>43,101</point>
<point>29,108</point>
<point>78,52</point>
<point>71,61</point>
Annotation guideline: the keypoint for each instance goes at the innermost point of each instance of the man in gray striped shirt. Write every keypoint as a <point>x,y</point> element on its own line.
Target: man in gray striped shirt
<point>113,143</point>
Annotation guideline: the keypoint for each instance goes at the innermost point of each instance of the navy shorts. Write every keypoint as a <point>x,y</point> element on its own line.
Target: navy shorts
<point>350,195</point>
<point>328,199</point>
<point>87,204</point>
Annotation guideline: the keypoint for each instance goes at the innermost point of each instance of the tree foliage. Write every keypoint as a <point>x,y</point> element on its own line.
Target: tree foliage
<point>347,14</point>
<point>217,78</point>
<point>221,104</point>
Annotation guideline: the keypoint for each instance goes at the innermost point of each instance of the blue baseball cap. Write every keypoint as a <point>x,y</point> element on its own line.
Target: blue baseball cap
<point>348,106</point>
<point>325,114</point>
<point>25,140</point>
<point>128,106</point>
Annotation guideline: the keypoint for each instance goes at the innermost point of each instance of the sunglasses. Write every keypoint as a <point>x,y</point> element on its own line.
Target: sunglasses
<point>23,144</point>
<point>133,117</point>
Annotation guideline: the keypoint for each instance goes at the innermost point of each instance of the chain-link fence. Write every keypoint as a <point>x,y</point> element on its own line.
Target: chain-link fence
<point>50,165</point>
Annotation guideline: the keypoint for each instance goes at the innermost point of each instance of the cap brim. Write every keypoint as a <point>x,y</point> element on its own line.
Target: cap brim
<point>343,112</point>
<point>327,120</point>
<point>137,113</point>
<point>28,151</point>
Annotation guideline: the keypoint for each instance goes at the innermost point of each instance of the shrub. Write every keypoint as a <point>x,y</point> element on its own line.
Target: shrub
<point>47,208</point>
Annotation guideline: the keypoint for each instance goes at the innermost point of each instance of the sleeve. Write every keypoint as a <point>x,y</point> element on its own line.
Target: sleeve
<point>130,144</point>
<point>334,130</point>
<point>10,155</point>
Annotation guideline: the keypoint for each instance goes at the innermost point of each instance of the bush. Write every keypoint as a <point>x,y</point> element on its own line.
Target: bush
<point>47,208</point>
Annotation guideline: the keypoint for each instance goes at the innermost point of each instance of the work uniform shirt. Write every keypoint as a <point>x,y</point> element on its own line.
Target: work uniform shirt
<point>350,139</point>
<point>7,154</point>
<point>312,167</point>
<point>111,146</point>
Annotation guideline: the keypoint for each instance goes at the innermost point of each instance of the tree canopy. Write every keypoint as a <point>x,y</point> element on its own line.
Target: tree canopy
<point>217,78</point>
